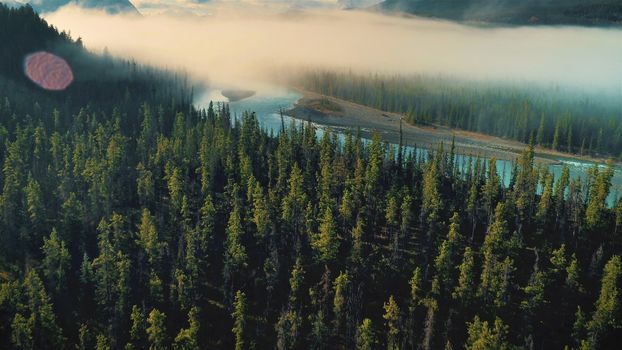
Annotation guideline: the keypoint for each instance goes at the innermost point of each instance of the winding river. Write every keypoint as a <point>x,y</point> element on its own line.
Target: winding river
<point>267,104</point>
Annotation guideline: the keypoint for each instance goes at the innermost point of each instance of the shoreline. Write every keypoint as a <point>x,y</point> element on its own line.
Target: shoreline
<point>344,115</point>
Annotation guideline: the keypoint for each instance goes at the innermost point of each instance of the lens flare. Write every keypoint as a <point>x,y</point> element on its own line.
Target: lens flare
<point>48,71</point>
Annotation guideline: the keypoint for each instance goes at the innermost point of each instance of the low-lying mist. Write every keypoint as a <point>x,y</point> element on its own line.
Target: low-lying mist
<point>242,49</point>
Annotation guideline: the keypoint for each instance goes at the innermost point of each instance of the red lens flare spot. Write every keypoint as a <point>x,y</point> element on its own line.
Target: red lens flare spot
<point>48,71</point>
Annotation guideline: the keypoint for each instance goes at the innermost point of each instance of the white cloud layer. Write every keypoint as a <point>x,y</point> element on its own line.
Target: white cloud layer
<point>207,7</point>
<point>239,46</point>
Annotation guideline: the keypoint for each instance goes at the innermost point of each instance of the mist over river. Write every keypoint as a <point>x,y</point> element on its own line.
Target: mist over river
<point>586,59</point>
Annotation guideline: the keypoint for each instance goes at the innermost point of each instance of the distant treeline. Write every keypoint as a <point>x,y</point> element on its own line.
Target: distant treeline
<point>515,12</point>
<point>564,121</point>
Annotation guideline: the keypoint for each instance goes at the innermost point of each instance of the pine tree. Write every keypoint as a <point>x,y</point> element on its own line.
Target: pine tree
<point>534,293</point>
<point>534,299</point>
<point>138,328</point>
<point>347,206</point>
<point>416,297</point>
<point>149,239</point>
<point>296,281</point>
<point>545,199</point>
<point>496,273</point>
<point>156,332</point>
<point>56,262</point>
<point>288,329</point>
<point>235,252</point>
<point>22,333</point>
<point>443,263</point>
<point>105,271</point>
<point>392,317</point>
<point>319,331</point>
<point>443,266</point>
<point>340,287</point>
<point>37,327</point>
<point>365,337</point>
<point>483,337</point>
<point>540,134</point>
<point>175,186</point>
<point>491,188</point>
<point>326,242</point>
<point>295,201</point>
<point>85,341</point>
<point>428,333</point>
<point>407,217</point>
<point>102,343</point>
<point>599,191</point>
<point>393,233</point>
<point>524,185</point>
<point>187,338</point>
<point>572,275</point>
<point>145,184</point>
<point>146,140</point>
<point>579,327</point>
<point>431,201</point>
<point>465,289</point>
<point>373,170</point>
<point>606,317</point>
<point>206,227</point>
<point>261,214</point>
<point>239,321</point>
<point>35,205</point>
<point>618,220</point>
<point>416,288</point>
<point>556,136</point>
<point>357,251</point>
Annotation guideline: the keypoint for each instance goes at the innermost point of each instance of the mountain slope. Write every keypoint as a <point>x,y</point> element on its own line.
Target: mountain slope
<point>111,6</point>
<point>100,80</point>
<point>590,12</point>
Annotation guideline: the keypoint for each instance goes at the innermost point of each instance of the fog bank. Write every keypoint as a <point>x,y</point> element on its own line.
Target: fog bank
<point>234,48</point>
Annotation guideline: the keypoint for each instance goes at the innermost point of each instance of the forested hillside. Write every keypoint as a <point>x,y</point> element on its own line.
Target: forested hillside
<point>560,120</point>
<point>100,80</point>
<point>144,223</point>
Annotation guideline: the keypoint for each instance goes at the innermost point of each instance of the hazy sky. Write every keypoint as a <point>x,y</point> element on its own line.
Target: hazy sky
<point>238,46</point>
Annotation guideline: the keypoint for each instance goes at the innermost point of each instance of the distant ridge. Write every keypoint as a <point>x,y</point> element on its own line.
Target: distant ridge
<point>110,6</point>
<point>514,12</point>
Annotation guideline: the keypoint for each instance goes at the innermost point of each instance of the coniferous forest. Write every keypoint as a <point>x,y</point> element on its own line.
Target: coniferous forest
<point>561,120</point>
<point>130,219</point>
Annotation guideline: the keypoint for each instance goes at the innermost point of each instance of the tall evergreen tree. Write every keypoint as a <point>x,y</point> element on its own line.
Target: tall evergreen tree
<point>392,318</point>
<point>156,332</point>
<point>365,338</point>
<point>239,321</point>
<point>56,262</point>
<point>607,316</point>
<point>187,338</point>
